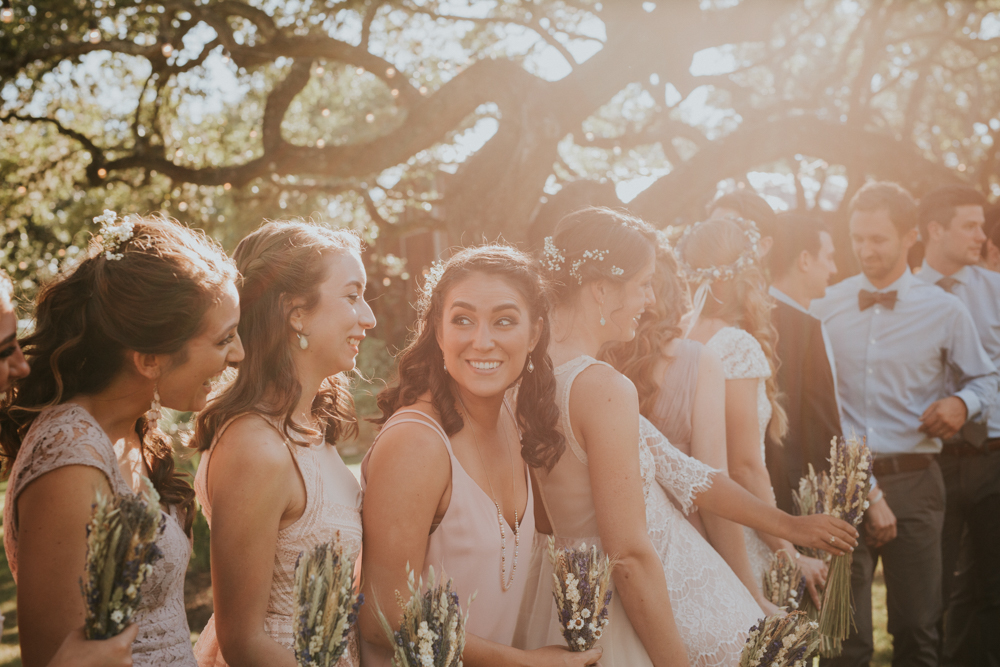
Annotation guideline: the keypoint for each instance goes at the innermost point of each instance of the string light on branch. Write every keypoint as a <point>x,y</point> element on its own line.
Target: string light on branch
<point>6,11</point>
<point>94,33</point>
<point>391,72</point>
<point>423,90</point>
<point>370,118</point>
<point>395,92</point>
<point>167,49</point>
<point>102,172</point>
<point>325,112</point>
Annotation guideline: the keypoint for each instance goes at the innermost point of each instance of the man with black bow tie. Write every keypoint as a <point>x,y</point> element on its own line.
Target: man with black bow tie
<point>901,345</point>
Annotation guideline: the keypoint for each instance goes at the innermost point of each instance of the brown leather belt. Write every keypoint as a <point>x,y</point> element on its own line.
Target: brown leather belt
<point>963,449</point>
<point>897,463</point>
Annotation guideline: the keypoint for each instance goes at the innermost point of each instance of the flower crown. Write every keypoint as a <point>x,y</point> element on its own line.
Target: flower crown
<point>748,258</point>
<point>114,235</point>
<point>553,260</point>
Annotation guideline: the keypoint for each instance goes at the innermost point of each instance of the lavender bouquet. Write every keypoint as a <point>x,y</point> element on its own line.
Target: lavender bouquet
<point>582,589</point>
<point>846,497</point>
<point>784,584</point>
<point>781,640</point>
<point>432,631</point>
<point>121,550</point>
<point>326,604</point>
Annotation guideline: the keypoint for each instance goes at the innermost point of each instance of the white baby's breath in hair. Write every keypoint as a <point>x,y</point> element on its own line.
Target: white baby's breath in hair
<point>552,258</point>
<point>114,233</point>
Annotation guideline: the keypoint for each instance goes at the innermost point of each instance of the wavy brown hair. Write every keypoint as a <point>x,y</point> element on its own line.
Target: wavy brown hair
<point>660,324</point>
<point>420,367</point>
<point>741,302</point>
<point>280,262</point>
<point>152,300</point>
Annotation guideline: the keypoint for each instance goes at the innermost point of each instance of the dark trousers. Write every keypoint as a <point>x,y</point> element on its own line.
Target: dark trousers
<point>971,561</point>
<point>912,567</point>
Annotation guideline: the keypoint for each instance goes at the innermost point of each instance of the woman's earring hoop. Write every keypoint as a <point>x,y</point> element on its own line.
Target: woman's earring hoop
<point>303,340</point>
<point>154,413</point>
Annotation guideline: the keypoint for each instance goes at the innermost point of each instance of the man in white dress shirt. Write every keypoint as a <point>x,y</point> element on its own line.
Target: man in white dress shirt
<point>902,349</point>
<point>951,222</point>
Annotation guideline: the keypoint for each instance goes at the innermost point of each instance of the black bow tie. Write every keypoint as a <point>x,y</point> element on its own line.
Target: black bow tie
<point>868,299</point>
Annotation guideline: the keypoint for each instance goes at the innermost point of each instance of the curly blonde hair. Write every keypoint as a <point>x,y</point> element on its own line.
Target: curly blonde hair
<point>742,301</point>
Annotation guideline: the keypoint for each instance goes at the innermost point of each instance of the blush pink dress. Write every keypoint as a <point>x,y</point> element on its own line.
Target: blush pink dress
<point>466,547</point>
<point>331,512</point>
<point>67,435</point>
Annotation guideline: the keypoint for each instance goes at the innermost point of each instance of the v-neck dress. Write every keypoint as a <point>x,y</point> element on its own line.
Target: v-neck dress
<point>466,547</point>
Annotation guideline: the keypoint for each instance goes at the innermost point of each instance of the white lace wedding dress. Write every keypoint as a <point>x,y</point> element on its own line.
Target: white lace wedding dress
<point>712,609</point>
<point>743,358</point>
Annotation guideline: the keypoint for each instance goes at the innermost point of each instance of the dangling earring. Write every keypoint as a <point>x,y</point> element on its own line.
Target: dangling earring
<point>154,413</point>
<point>445,366</point>
<point>601,311</point>
<point>303,341</point>
<point>531,364</point>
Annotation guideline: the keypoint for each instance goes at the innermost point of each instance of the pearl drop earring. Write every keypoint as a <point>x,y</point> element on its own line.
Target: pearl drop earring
<point>303,340</point>
<point>154,413</point>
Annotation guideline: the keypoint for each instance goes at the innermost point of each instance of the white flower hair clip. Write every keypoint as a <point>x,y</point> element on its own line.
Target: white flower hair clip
<point>114,233</point>
<point>431,279</point>
<point>552,258</point>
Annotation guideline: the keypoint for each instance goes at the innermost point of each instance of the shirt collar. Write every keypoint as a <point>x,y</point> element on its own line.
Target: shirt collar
<point>901,286</point>
<point>785,299</point>
<point>932,275</point>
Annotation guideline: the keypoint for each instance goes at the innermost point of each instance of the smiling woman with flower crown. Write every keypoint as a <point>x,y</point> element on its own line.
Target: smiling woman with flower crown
<point>446,485</point>
<point>148,318</point>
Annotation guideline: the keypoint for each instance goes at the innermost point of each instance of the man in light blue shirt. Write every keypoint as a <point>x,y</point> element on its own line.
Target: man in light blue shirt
<point>951,223</point>
<point>901,346</point>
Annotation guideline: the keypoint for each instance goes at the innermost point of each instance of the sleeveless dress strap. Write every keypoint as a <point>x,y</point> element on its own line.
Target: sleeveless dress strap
<point>428,421</point>
<point>575,367</point>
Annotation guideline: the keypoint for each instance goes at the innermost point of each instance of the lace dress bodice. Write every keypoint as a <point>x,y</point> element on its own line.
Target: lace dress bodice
<point>712,609</point>
<point>67,435</point>
<point>332,512</point>
<point>743,358</point>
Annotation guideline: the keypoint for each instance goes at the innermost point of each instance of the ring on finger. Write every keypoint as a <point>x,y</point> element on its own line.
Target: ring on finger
<point>833,539</point>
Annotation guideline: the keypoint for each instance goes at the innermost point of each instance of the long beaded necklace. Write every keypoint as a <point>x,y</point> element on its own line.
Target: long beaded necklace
<point>505,583</point>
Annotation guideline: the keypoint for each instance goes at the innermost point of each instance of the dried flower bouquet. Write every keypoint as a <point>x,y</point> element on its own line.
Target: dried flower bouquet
<point>432,630</point>
<point>846,497</point>
<point>326,604</point>
<point>121,550</point>
<point>784,583</point>
<point>582,589</point>
<point>781,640</point>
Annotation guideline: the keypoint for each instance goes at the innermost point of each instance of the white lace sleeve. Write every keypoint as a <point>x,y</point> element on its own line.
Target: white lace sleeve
<point>680,475</point>
<point>741,354</point>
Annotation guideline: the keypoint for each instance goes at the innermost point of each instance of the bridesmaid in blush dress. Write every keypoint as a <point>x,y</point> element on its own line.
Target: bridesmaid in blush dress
<point>446,480</point>
<point>270,480</point>
<point>148,317</point>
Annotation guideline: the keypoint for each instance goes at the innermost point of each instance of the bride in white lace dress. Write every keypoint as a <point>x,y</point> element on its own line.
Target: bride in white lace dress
<point>731,316</point>
<point>710,611</point>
